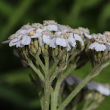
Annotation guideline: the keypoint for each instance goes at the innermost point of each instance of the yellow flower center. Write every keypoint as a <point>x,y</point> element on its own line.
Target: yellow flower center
<point>31,33</point>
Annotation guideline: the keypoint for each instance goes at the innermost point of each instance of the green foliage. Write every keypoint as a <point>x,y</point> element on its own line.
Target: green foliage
<point>93,14</point>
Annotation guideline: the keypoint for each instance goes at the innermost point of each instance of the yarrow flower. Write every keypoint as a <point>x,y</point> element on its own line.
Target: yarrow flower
<point>99,42</point>
<point>50,33</point>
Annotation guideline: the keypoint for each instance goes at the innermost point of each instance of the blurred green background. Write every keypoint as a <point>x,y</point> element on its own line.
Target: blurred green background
<point>16,90</point>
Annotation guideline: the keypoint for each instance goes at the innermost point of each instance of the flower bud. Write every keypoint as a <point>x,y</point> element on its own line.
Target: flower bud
<point>34,47</point>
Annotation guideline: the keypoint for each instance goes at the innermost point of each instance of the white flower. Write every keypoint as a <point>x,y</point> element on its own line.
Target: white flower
<point>37,25</point>
<point>98,87</point>
<point>23,31</point>
<point>53,43</point>
<point>61,42</point>
<point>107,33</point>
<point>88,36</point>
<point>26,27</point>
<point>51,28</point>
<point>100,38</point>
<point>63,39</point>
<point>46,39</point>
<point>64,28</point>
<point>78,38</point>
<point>82,30</point>
<point>97,46</point>
<point>26,40</point>
<point>15,41</point>
<point>49,22</point>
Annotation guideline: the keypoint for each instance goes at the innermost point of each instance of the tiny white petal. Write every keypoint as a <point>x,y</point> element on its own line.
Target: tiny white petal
<point>53,43</point>
<point>78,38</point>
<point>12,43</point>
<point>68,47</point>
<point>93,45</point>
<point>36,35</point>
<point>97,46</point>
<point>31,29</point>
<point>26,40</point>
<point>22,31</point>
<point>88,36</point>
<point>39,30</point>
<point>71,41</point>
<point>58,33</point>
<point>19,44</point>
<point>61,42</point>
<point>100,47</point>
<point>46,39</point>
<point>98,87</point>
<point>41,41</point>
<point>52,27</point>
<point>15,40</point>
<point>5,42</point>
<point>108,46</point>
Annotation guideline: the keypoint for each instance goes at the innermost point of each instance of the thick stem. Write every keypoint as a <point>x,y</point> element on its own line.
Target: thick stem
<point>56,92</point>
<point>92,74</point>
<point>46,85</point>
<point>58,84</point>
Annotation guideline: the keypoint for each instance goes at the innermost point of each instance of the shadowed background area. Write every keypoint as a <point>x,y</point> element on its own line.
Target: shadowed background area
<point>16,90</point>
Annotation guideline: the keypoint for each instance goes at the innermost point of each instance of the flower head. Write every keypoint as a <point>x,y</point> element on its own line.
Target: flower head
<point>50,33</point>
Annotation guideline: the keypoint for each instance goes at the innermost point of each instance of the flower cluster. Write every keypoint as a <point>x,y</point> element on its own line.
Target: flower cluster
<point>50,33</point>
<point>56,35</point>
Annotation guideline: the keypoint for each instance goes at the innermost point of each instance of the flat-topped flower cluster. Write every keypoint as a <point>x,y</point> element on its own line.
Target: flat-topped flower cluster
<point>101,42</point>
<point>50,33</point>
<point>54,34</point>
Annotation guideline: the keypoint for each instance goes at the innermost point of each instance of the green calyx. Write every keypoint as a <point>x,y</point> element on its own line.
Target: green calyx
<point>34,47</point>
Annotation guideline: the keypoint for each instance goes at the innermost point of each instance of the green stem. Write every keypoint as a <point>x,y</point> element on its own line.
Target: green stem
<point>39,89</point>
<point>58,84</point>
<point>75,105</point>
<point>56,92</point>
<point>47,85</point>
<point>38,60</point>
<point>54,74</point>
<point>86,103</point>
<point>37,71</point>
<point>52,99</point>
<point>95,71</point>
<point>73,55</point>
<point>53,66</point>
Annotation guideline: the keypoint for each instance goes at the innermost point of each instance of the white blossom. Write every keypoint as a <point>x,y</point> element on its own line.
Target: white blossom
<point>51,28</point>
<point>78,38</point>
<point>98,87</point>
<point>97,46</point>
<point>88,36</point>
<point>64,40</point>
